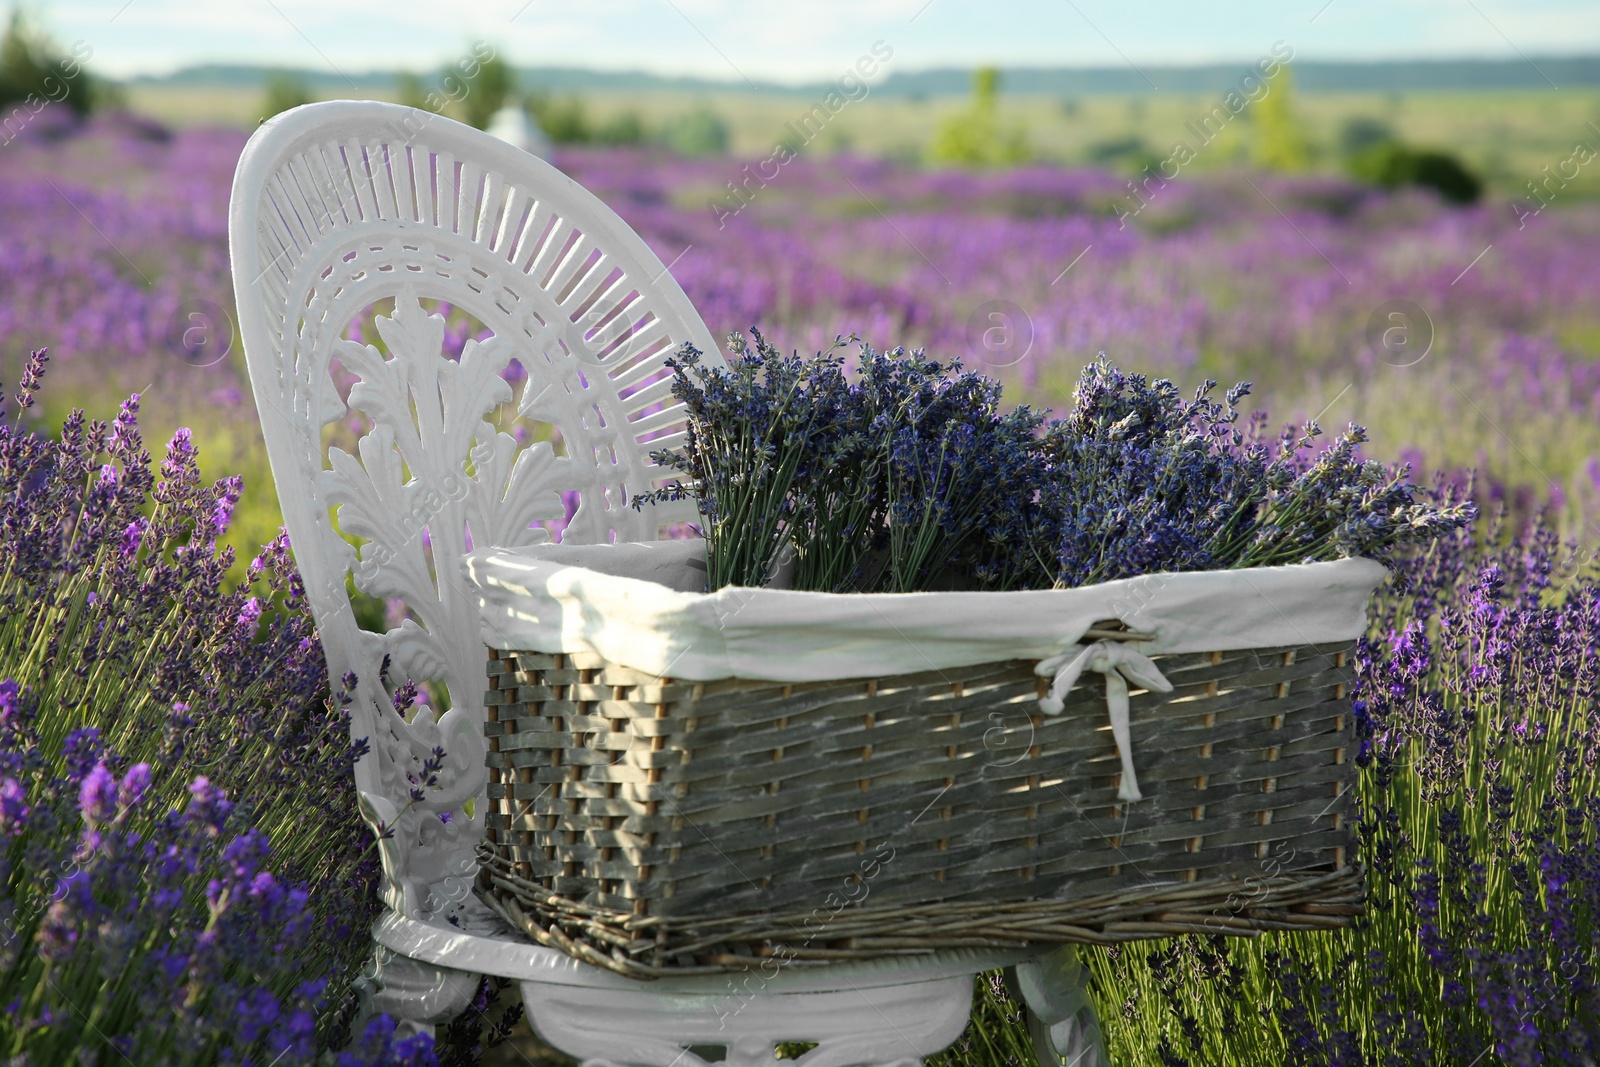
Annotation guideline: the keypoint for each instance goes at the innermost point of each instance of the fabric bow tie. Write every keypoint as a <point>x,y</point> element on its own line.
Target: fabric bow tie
<point>1121,665</point>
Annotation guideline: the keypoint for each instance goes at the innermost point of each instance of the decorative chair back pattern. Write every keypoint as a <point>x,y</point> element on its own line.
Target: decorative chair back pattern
<point>340,210</point>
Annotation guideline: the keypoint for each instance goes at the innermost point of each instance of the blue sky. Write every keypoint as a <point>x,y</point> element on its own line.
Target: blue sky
<point>803,39</point>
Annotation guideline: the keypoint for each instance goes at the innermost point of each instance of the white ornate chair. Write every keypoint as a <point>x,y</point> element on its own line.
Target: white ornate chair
<point>340,208</point>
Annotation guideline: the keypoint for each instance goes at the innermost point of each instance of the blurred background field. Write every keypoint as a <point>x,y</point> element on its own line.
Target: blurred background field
<point>1506,136</point>
<point>1023,233</point>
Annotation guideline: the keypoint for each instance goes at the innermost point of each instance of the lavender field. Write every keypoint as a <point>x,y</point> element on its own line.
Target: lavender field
<point>1476,712</point>
<point>1025,274</point>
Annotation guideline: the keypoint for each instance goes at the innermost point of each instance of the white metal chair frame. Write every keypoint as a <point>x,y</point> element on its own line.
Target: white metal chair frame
<point>340,206</point>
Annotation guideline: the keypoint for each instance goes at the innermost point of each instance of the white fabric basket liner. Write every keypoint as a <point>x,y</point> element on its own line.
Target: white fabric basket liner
<point>630,604</point>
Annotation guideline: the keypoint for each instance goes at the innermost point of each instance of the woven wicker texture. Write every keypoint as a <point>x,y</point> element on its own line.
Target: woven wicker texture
<point>657,828</point>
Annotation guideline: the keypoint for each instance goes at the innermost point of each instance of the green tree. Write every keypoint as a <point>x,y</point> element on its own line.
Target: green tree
<point>698,133</point>
<point>33,68</point>
<point>563,119</point>
<point>1280,142</point>
<point>487,90</point>
<point>410,91</point>
<point>976,137</point>
<point>624,128</point>
<point>285,90</point>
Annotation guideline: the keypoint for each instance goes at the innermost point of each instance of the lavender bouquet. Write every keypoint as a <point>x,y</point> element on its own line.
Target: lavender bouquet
<point>911,477</point>
<point>1140,480</point>
<point>888,482</point>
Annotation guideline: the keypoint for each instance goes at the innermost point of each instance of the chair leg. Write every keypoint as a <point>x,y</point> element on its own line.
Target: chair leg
<point>870,1026</point>
<point>1061,1017</point>
<point>416,995</point>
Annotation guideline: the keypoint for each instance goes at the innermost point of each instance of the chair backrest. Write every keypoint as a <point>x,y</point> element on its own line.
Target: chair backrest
<point>378,215</point>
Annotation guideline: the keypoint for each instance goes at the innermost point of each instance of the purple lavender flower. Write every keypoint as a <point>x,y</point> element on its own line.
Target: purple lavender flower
<point>227,497</point>
<point>134,785</point>
<point>58,937</point>
<point>374,1048</point>
<point>32,372</point>
<point>13,807</point>
<point>10,701</point>
<point>97,795</point>
<point>130,703</point>
<point>81,752</point>
<point>209,806</point>
<point>133,536</point>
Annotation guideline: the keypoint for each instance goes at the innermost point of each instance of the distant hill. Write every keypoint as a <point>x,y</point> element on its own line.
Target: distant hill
<point>553,78</point>
<point>1310,76</point>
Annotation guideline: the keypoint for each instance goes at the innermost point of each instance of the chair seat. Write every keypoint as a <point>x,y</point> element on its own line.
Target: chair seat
<point>883,1012</point>
<point>483,944</point>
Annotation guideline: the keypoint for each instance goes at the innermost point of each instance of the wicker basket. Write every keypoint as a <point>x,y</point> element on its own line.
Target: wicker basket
<point>659,828</point>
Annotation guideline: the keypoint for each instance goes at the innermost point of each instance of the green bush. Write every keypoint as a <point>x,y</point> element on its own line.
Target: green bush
<point>410,90</point>
<point>1362,132</point>
<point>624,129</point>
<point>33,66</point>
<point>1130,153</point>
<point>564,120</point>
<point>698,133</point>
<point>1392,164</point>
<point>285,90</point>
<point>1118,148</point>
<point>976,137</point>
